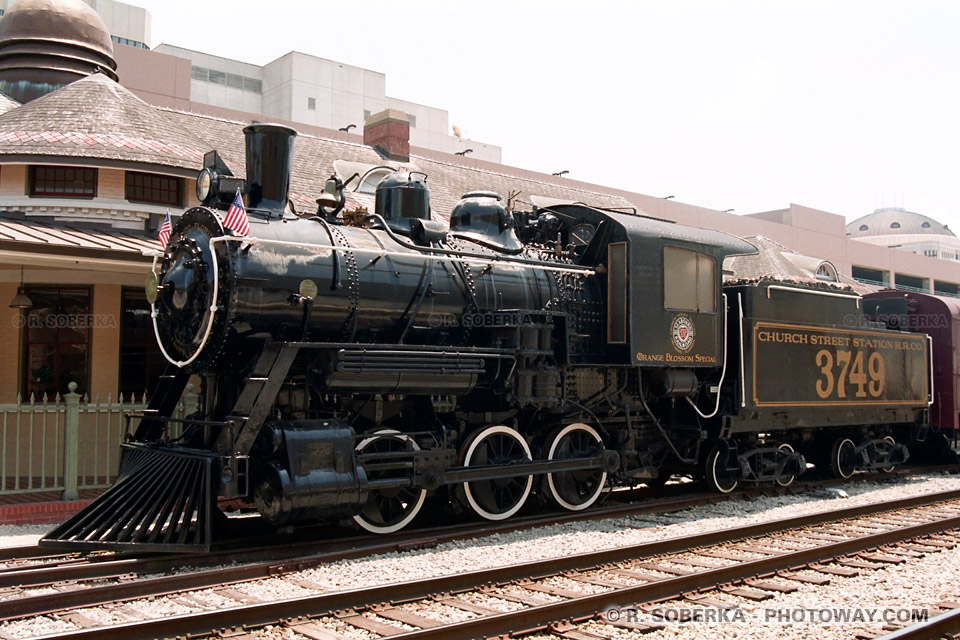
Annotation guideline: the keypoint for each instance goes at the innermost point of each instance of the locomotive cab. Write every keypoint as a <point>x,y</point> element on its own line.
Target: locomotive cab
<point>661,283</point>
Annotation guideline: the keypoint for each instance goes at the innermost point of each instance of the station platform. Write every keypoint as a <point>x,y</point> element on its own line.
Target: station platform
<point>43,507</point>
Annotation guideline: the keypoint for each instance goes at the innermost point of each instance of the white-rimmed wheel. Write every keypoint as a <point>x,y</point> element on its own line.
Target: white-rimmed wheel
<point>499,498</point>
<point>391,509</point>
<point>575,490</point>
<point>893,443</point>
<point>786,481</point>
<point>843,458</point>
<point>718,478</point>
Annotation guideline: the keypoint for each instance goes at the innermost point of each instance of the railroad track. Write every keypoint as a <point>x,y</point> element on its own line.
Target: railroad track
<point>272,561</point>
<point>316,541</point>
<point>70,572</point>
<point>755,561</point>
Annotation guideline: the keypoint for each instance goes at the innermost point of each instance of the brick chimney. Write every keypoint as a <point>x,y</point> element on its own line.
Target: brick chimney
<point>389,133</point>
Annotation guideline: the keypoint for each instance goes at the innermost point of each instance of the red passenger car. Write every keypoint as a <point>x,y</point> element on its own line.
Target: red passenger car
<point>939,318</point>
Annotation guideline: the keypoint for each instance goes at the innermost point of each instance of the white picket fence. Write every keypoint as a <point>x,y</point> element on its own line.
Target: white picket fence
<point>68,442</point>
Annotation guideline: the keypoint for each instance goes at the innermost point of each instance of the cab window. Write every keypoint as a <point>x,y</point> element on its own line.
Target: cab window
<point>689,281</point>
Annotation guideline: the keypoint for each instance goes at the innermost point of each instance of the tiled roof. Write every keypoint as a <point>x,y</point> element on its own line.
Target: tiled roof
<point>97,118</point>
<point>7,103</point>
<point>29,233</point>
<point>314,157</point>
<point>773,261</point>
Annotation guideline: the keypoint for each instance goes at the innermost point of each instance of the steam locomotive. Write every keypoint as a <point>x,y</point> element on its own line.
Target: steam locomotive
<point>353,362</point>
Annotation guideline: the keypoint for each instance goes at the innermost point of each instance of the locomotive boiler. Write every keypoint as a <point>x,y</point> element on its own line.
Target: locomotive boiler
<point>351,363</point>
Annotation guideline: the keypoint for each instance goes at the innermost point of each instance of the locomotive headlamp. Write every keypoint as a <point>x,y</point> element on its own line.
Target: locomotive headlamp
<point>151,288</point>
<point>205,184</point>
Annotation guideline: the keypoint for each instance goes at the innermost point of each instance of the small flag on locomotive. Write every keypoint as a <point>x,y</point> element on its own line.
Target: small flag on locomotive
<point>236,218</point>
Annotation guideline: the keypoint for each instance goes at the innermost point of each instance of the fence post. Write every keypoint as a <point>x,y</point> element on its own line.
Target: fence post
<point>71,443</point>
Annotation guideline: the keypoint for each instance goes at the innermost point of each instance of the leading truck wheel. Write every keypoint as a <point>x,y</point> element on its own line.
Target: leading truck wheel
<point>499,498</point>
<point>391,509</point>
<point>575,490</point>
<point>843,458</point>
<point>718,478</point>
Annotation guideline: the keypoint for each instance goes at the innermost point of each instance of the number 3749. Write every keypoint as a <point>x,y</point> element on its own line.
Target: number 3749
<point>846,372</point>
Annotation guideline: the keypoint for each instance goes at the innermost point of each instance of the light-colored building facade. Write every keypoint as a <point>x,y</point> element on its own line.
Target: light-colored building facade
<point>296,87</point>
<point>897,228</point>
<point>302,88</point>
<point>126,23</point>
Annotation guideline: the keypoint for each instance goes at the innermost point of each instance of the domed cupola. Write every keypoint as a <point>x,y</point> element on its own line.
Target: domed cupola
<point>895,221</point>
<point>46,44</point>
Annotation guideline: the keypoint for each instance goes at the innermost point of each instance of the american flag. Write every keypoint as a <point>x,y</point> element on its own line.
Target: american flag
<point>236,219</point>
<point>164,234</point>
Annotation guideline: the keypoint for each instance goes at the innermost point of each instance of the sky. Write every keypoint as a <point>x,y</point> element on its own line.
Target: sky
<point>840,105</point>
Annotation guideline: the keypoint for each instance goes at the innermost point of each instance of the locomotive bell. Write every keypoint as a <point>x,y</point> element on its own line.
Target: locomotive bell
<point>331,196</point>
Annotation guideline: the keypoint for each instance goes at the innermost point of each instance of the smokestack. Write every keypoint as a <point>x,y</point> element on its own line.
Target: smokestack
<point>389,133</point>
<point>269,165</point>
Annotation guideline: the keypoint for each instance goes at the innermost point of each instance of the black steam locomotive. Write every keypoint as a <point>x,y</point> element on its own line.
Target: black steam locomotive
<point>351,363</point>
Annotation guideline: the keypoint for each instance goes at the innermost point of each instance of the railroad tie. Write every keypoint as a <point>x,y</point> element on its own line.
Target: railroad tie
<point>313,631</point>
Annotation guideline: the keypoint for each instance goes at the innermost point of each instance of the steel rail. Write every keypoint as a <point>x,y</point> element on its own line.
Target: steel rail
<point>317,552</point>
<point>586,607</point>
<point>268,613</point>
<point>933,629</point>
<point>294,555</point>
<point>295,560</point>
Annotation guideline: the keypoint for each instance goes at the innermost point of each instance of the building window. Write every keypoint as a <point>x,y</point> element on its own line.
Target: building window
<point>63,182</point>
<point>826,271</point>
<point>312,104</point>
<point>894,225</point>
<point>366,114</point>
<point>150,188</point>
<point>413,120</point>
<point>127,41</point>
<point>141,362</point>
<point>58,341</point>
<point>689,281</point>
<point>227,79</point>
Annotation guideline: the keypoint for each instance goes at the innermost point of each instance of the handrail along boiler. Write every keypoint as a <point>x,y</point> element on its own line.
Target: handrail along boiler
<point>353,363</point>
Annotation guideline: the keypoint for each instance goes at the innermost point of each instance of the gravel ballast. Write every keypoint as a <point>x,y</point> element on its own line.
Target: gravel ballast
<point>917,584</point>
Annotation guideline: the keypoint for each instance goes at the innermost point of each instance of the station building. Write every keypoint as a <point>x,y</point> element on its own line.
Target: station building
<point>89,168</point>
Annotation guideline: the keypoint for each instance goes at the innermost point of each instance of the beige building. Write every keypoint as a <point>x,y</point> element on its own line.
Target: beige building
<point>306,89</point>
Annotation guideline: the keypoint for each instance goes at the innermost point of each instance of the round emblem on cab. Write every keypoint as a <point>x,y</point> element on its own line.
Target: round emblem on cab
<point>683,333</point>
